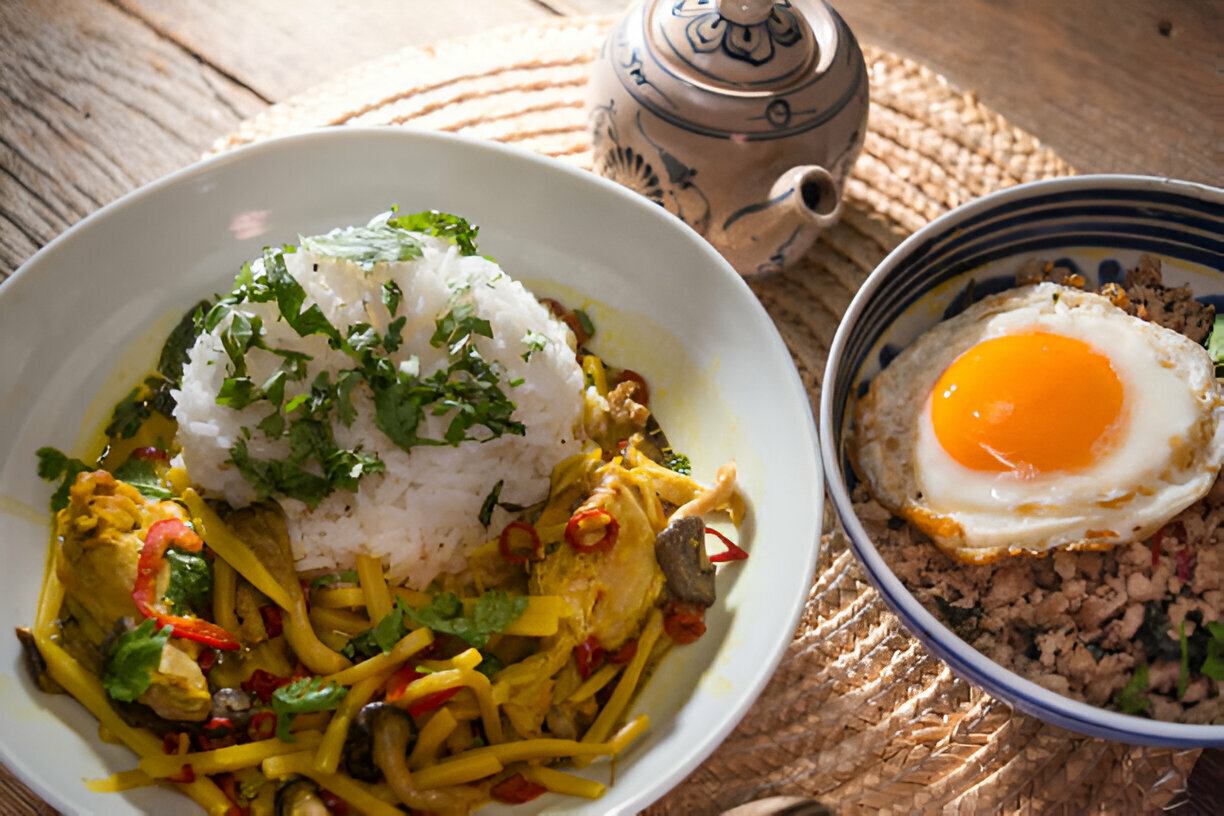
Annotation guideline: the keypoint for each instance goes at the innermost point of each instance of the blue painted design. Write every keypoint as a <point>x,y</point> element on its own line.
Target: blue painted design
<point>755,208</point>
<point>777,260</point>
<point>798,124</point>
<point>707,31</point>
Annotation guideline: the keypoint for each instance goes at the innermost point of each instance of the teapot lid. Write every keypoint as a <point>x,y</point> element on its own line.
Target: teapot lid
<point>733,45</point>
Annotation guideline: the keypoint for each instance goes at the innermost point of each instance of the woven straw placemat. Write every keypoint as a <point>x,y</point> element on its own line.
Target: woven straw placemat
<point>859,714</point>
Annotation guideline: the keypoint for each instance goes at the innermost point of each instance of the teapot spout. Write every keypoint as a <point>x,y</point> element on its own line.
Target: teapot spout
<point>814,200</point>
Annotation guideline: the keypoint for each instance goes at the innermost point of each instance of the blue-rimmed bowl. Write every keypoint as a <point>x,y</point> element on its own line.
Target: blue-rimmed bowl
<point>1099,225</point>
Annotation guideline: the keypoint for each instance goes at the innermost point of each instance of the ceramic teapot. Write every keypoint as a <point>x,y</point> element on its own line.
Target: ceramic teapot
<point>742,117</point>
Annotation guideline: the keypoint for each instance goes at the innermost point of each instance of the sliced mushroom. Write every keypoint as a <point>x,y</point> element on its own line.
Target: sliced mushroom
<point>359,746</point>
<point>234,705</point>
<point>393,733</point>
<point>680,551</point>
<point>299,796</point>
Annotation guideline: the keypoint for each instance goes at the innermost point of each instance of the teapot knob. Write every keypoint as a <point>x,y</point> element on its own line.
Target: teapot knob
<point>746,12</point>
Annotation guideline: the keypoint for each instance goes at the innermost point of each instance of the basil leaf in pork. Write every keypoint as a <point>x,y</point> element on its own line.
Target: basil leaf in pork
<point>54,464</point>
<point>305,696</point>
<point>133,659</point>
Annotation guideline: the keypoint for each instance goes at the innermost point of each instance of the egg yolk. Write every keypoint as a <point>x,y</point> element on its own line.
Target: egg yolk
<point>1028,404</point>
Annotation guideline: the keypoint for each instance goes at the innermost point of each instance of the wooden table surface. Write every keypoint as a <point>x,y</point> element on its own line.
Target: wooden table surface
<point>98,97</point>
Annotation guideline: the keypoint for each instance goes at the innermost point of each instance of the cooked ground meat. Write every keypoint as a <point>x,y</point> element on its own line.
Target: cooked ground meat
<point>1083,624</point>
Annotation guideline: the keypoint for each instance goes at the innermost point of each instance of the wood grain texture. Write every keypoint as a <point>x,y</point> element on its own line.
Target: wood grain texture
<point>93,104</point>
<point>279,49</point>
<point>98,97</point>
<point>1112,86</point>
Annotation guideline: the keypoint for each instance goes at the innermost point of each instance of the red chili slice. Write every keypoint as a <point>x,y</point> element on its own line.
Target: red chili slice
<point>435,700</point>
<point>589,655</point>
<point>504,542</point>
<point>574,530</point>
<point>263,725</point>
<point>1156,539</point>
<point>262,683</point>
<point>561,312</point>
<point>683,622</point>
<point>642,396</point>
<point>733,553</point>
<point>151,454</point>
<point>152,558</point>
<point>516,790</point>
<point>624,654</point>
<point>399,681</point>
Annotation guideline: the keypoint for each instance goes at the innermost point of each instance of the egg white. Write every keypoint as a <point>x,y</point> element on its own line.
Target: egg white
<point>1167,455</point>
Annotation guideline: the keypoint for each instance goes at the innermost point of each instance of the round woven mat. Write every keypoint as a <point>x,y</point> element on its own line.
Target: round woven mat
<point>859,714</point>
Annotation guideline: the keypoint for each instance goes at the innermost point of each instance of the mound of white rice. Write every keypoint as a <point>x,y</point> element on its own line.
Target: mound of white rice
<point>420,515</point>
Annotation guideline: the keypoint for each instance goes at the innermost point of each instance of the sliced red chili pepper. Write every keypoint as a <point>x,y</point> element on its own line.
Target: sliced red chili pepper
<point>170,743</point>
<point>683,622</point>
<point>435,700</point>
<point>624,654</point>
<point>272,622</point>
<point>151,454</point>
<point>589,655</point>
<point>208,658</point>
<point>1156,539</point>
<point>574,530</point>
<point>642,395</point>
<point>397,684</point>
<point>263,683</point>
<point>516,790</point>
<point>733,553</point>
<point>218,727</point>
<point>160,536</point>
<point>504,542</point>
<point>263,725</point>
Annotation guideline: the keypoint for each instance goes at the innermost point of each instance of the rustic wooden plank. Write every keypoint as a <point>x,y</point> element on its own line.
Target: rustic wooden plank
<point>1112,86</point>
<point>92,105</point>
<point>278,49</point>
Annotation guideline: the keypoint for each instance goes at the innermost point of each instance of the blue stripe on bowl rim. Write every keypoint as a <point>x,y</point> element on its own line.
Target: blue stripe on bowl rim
<point>938,253</point>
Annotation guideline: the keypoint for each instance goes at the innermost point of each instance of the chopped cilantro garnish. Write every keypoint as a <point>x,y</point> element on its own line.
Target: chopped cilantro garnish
<point>191,581</point>
<point>453,228</point>
<point>132,661</point>
<point>366,246</point>
<point>534,341</point>
<point>142,475</point>
<point>54,464</point>
<point>495,610</point>
<point>677,462</point>
<point>348,576</point>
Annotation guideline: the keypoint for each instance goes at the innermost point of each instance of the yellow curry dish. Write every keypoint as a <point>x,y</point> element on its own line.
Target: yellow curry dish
<point>380,534</point>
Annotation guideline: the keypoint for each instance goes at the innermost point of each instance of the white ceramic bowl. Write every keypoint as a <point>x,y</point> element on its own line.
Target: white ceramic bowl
<point>85,316</point>
<point>1101,224</point>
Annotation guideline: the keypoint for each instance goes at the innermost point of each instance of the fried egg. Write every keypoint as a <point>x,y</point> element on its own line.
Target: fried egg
<point>1038,418</point>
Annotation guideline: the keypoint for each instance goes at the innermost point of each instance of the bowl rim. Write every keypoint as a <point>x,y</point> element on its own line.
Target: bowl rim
<point>806,435</point>
<point>962,658</point>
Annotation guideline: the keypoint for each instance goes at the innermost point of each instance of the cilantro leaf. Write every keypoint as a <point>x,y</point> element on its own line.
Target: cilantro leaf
<point>486,507</point>
<point>174,351</point>
<point>54,464</point>
<point>191,581</point>
<point>132,661</point>
<point>366,246</point>
<point>494,611</point>
<point>142,475</point>
<point>391,296</point>
<point>129,414</point>
<point>534,341</point>
<point>453,228</point>
<point>304,696</point>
